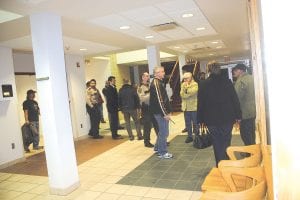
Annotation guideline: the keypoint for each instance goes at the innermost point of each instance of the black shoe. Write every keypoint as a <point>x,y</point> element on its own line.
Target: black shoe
<point>121,128</point>
<point>148,144</point>
<point>118,137</point>
<point>103,121</point>
<point>184,130</point>
<point>98,137</point>
<point>27,150</point>
<point>168,143</point>
<point>188,140</point>
<point>38,148</point>
<point>140,138</point>
<point>131,138</point>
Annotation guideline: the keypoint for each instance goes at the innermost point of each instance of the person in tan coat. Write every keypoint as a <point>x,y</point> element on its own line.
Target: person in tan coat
<point>188,93</point>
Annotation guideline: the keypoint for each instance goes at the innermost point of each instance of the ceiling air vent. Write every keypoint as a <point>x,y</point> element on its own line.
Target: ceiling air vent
<point>164,27</point>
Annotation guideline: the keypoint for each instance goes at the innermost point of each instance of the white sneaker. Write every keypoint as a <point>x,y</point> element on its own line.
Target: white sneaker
<point>166,156</point>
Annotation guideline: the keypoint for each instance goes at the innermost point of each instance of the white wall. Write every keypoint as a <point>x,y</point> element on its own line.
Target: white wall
<point>76,87</point>
<point>99,70</point>
<point>9,120</point>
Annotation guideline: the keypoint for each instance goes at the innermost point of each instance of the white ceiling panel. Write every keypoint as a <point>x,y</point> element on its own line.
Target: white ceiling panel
<point>176,6</point>
<point>177,33</point>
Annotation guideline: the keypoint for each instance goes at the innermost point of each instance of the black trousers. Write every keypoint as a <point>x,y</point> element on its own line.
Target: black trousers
<point>148,121</point>
<point>221,139</point>
<point>113,123</point>
<point>95,116</point>
<point>247,131</point>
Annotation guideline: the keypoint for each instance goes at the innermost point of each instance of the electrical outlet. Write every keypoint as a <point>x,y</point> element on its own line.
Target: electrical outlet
<point>13,145</point>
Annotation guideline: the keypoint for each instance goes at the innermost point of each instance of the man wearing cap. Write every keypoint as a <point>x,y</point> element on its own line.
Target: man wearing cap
<point>188,93</point>
<point>244,87</point>
<point>31,114</point>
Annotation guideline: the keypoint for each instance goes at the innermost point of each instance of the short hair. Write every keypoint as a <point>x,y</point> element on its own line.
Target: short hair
<point>156,69</point>
<point>93,80</point>
<point>214,68</point>
<point>125,81</point>
<point>111,78</point>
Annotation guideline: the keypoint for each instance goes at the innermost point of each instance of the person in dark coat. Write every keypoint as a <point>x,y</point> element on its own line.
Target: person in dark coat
<point>111,94</point>
<point>219,109</point>
<point>129,103</point>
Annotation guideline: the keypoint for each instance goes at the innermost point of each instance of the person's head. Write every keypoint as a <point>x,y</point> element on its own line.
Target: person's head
<point>214,68</point>
<point>238,70</point>
<point>112,80</point>
<point>30,94</point>
<point>187,77</point>
<point>202,76</point>
<point>87,84</point>
<point>145,77</point>
<point>126,81</point>
<point>159,72</point>
<point>93,83</point>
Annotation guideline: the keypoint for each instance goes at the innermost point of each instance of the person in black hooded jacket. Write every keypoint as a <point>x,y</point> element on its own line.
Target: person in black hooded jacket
<point>218,109</point>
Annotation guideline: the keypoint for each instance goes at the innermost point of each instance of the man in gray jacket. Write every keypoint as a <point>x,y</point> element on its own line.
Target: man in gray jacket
<point>244,87</point>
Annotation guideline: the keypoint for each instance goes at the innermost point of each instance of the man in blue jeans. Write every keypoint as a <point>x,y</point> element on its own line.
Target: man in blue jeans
<point>160,107</point>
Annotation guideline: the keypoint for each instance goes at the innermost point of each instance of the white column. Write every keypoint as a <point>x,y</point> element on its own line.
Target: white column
<point>153,57</point>
<point>181,62</point>
<point>50,71</point>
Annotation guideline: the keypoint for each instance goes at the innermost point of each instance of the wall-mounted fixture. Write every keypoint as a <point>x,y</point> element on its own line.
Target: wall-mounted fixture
<point>6,92</point>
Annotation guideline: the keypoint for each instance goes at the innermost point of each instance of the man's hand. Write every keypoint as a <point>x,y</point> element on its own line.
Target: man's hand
<point>167,117</point>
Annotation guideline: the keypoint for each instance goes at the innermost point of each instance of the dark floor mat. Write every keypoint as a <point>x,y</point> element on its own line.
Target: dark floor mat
<point>186,171</point>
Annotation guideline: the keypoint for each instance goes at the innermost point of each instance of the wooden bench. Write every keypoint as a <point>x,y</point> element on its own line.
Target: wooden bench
<point>215,181</point>
<point>258,181</point>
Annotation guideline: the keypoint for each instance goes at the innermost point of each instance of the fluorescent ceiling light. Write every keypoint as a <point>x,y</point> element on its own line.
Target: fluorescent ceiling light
<point>149,36</point>
<point>83,49</point>
<point>101,58</point>
<point>200,28</point>
<point>6,16</point>
<point>186,15</point>
<point>124,27</point>
<point>215,42</point>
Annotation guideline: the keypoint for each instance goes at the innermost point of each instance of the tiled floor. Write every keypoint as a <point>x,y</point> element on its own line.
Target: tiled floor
<point>99,176</point>
<point>186,171</point>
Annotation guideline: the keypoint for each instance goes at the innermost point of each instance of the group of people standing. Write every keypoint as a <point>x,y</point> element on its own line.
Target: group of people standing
<point>218,104</point>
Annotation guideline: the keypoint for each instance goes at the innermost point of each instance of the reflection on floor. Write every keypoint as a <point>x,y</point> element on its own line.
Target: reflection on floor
<point>99,175</point>
<point>186,171</point>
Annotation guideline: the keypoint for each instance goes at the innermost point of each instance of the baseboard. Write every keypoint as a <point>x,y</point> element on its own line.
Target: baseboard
<point>81,137</point>
<point>2,166</point>
<point>65,191</point>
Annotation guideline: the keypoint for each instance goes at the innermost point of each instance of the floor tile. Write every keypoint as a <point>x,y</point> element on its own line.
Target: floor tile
<point>26,196</point>
<point>179,194</point>
<point>157,193</point>
<point>137,191</point>
<point>108,196</point>
<point>88,195</point>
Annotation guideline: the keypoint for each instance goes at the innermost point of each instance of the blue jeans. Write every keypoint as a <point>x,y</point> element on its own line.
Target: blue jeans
<point>190,118</point>
<point>163,133</point>
<point>247,131</point>
<point>35,131</point>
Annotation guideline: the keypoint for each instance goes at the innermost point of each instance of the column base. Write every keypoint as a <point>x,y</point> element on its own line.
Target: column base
<point>64,191</point>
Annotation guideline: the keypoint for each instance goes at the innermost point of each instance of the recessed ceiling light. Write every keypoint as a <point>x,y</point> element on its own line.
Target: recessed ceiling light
<point>214,42</point>
<point>219,47</point>
<point>124,27</point>
<point>149,36</point>
<point>200,28</point>
<point>83,49</point>
<point>186,15</point>
<point>211,54</point>
<point>176,47</point>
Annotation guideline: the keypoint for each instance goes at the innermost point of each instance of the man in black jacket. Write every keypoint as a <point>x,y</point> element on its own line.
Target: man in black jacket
<point>111,94</point>
<point>219,109</point>
<point>161,109</point>
<point>129,103</point>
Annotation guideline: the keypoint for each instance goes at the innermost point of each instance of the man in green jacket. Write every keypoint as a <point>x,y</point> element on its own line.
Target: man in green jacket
<point>244,87</point>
